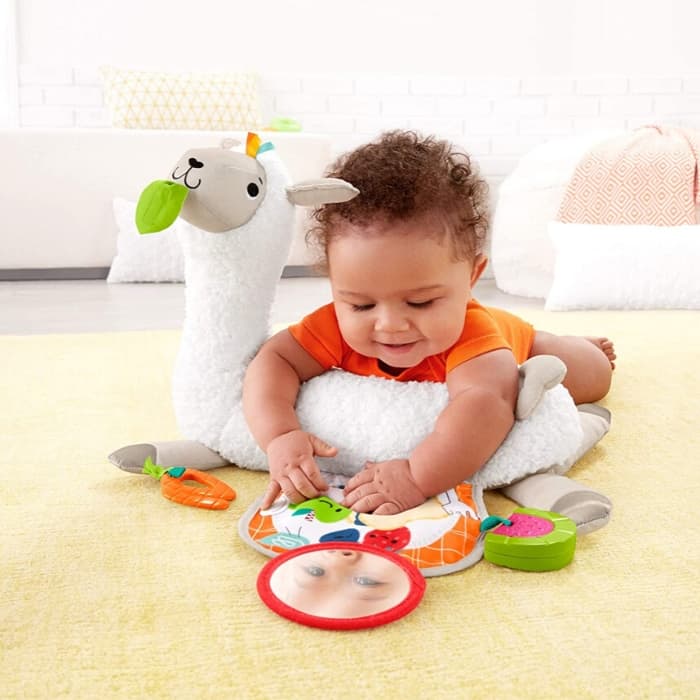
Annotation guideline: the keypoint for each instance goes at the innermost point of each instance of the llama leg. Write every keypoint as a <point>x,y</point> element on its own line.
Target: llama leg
<point>189,453</point>
<point>589,509</point>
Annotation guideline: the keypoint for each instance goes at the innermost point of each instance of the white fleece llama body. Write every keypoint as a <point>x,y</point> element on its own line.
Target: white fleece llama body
<point>231,281</point>
<point>375,419</point>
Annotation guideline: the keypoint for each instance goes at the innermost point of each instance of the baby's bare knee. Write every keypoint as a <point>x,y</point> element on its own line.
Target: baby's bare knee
<point>588,370</point>
<point>545,343</point>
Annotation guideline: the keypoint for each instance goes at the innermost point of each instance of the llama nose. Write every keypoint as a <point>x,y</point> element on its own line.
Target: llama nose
<point>194,163</point>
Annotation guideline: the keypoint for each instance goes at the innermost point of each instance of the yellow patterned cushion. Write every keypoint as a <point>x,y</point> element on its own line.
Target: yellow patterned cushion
<point>140,99</point>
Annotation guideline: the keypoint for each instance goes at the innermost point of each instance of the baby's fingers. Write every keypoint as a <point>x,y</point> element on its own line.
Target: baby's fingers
<point>360,492</point>
<point>387,508</point>
<point>290,490</point>
<point>313,474</point>
<point>271,494</point>
<point>321,448</point>
<point>366,476</point>
<point>365,502</point>
<point>304,485</point>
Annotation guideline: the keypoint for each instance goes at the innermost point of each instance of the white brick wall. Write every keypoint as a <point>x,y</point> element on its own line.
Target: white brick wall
<point>497,119</point>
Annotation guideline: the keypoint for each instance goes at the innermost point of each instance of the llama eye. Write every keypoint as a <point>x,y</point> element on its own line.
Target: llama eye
<point>253,190</point>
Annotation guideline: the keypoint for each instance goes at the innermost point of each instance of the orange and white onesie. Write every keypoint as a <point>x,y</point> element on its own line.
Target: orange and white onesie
<point>485,329</point>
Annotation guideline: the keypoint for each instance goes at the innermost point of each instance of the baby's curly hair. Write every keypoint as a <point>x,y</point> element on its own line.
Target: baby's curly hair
<point>404,175</point>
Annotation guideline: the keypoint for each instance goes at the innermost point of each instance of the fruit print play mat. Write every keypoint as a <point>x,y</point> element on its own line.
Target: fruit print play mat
<point>439,537</point>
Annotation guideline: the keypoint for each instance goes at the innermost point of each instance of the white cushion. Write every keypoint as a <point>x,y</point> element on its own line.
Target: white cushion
<point>624,267</point>
<point>154,257</point>
<point>528,199</point>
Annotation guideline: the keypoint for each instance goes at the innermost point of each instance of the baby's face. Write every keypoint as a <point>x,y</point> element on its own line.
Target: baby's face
<point>398,293</point>
<point>340,583</point>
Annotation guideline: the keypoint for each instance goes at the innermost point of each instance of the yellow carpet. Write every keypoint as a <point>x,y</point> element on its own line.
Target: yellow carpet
<point>108,590</point>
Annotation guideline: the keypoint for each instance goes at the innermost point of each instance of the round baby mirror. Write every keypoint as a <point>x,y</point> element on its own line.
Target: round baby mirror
<point>340,585</point>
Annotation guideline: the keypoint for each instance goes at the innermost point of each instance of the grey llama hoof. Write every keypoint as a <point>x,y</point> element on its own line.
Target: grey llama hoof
<point>589,509</point>
<point>185,453</point>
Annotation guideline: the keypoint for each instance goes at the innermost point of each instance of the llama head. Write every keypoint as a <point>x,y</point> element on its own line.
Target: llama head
<point>218,189</point>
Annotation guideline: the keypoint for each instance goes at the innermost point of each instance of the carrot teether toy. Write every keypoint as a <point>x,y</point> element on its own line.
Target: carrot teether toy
<point>215,494</point>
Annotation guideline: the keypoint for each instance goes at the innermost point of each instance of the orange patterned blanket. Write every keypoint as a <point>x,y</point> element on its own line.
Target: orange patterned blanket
<point>441,536</point>
<point>649,176</point>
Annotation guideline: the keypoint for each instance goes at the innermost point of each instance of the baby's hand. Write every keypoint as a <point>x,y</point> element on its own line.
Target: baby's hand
<point>293,470</point>
<point>383,488</point>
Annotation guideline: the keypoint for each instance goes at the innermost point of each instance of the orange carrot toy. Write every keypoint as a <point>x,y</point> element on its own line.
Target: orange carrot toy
<point>216,495</point>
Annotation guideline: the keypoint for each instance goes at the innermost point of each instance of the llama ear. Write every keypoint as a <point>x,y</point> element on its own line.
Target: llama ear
<point>326,190</point>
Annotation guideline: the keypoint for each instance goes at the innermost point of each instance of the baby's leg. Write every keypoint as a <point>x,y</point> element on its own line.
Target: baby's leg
<point>589,363</point>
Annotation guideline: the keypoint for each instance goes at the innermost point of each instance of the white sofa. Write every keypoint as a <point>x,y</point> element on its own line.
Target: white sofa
<point>57,189</point>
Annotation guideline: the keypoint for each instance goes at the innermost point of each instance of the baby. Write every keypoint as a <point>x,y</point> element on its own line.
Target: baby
<point>402,258</point>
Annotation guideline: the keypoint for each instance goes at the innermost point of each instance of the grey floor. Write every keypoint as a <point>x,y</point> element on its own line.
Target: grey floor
<point>89,306</point>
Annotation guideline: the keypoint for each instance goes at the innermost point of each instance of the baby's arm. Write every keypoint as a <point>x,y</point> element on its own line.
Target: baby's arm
<point>479,415</point>
<point>270,391</point>
<point>470,429</point>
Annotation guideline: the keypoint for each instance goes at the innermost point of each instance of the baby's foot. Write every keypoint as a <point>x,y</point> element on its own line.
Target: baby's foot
<point>606,346</point>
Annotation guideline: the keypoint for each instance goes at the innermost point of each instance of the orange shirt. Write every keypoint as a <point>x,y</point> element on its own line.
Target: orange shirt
<point>485,329</point>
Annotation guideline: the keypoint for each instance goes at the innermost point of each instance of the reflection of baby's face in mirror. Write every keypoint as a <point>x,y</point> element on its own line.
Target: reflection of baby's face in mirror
<point>340,583</point>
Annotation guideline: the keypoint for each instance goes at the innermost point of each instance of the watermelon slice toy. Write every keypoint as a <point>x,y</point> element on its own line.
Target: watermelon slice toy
<point>530,540</point>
